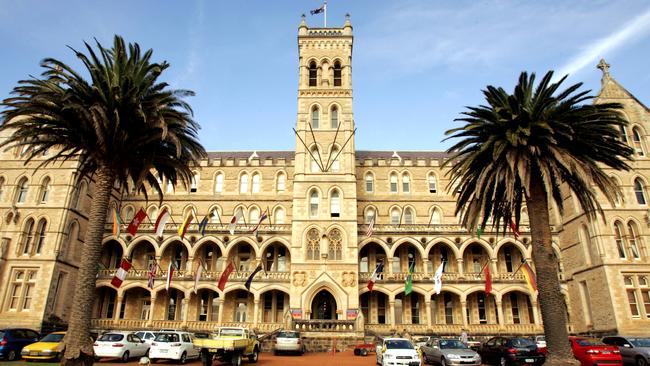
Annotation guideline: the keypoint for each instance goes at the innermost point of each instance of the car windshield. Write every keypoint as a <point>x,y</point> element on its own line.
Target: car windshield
<point>201,335</point>
<point>231,332</point>
<point>167,337</point>
<point>640,342</point>
<point>399,344</point>
<point>111,337</point>
<point>590,342</point>
<point>540,339</point>
<point>55,338</point>
<point>521,342</point>
<point>288,335</point>
<point>421,339</point>
<point>451,344</point>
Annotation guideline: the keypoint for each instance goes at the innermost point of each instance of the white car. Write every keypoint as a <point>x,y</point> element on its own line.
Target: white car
<point>397,352</point>
<point>173,346</point>
<point>122,345</point>
<point>146,335</point>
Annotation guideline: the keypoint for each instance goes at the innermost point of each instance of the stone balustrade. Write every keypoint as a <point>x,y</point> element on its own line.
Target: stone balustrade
<point>455,329</point>
<point>212,228</point>
<point>242,276</point>
<point>447,277</point>
<point>203,326</point>
<point>324,325</point>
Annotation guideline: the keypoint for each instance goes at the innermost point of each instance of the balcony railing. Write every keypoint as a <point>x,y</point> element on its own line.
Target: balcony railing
<point>424,228</point>
<point>452,277</point>
<point>324,325</point>
<point>137,324</point>
<point>193,229</point>
<point>242,276</point>
<point>455,329</point>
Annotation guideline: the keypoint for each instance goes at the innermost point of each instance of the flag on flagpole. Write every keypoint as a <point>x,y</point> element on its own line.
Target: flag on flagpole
<point>137,220</point>
<point>170,273</point>
<point>259,222</point>
<point>224,276</point>
<point>371,227</point>
<point>120,275</point>
<point>197,275</point>
<point>437,278</point>
<point>488,279</point>
<point>183,228</point>
<point>233,222</point>
<point>375,275</point>
<point>408,284</point>
<point>203,225</point>
<point>117,222</point>
<point>161,221</point>
<point>479,231</point>
<point>531,279</point>
<point>153,268</point>
<point>317,11</point>
<point>515,229</point>
<point>250,278</point>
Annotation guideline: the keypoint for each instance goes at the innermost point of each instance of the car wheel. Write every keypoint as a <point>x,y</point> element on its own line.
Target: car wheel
<point>206,358</point>
<point>255,356</point>
<point>153,360</point>
<point>443,362</point>
<point>235,360</point>
<point>59,357</point>
<point>640,361</point>
<point>11,355</point>
<point>364,352</point>
<point>183,359</point>
<point>503,361</point>
<point>125,357</point>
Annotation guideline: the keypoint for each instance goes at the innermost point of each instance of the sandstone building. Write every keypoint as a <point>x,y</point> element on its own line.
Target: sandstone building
<point>314,248</point>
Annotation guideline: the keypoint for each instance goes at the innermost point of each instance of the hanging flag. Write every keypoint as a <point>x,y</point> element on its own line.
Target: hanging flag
<point>515,229</point>
<point>262,218</point>
<point>488,279</point>
<point>99,268</point>
<point>183,228</point>
<point>531,279</point>
<point>137,220</point>
<point>161,221</point>
<point>170,273</point>
<point>203,225</point>
<point>317,11</point>
<point>375,275</point>
<point>120,275</point>
<point>408,284</point>
<point>224,276</point>
<point>233,222</point>
<point>197,275</point>
<point>153,268</point>
<point>437,278</point>
<point>479,231</point>
<point>117,222</point>
<point>371,227</point>
<point>250,278</point>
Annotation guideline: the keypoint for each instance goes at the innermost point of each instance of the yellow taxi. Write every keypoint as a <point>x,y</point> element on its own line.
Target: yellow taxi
<point>45,349</point>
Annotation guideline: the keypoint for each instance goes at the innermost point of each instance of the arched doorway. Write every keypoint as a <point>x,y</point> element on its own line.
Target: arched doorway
<point>323,306</point>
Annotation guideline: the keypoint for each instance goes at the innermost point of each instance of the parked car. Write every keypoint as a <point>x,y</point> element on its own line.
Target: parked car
<point>540,340</point>
<point>420,341</point>
<point>397,352</point>
<point>288,341</point>
<point>146,335</point>
<point>12,341</point>
<point>634,350</point>
<point>448,352</point>
<point>511,351</point>
<point>122,345</point>
<point>173,346</point>
<point>45,349</point>
<point>473,344</point>
<point>591,351</point>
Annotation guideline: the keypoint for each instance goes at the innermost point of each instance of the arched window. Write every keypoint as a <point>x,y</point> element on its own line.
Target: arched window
<point>194,184</point>
<point>239,213</point>
<point>40,236</point>
<point>408,216</point>
<point>334,117</point>
<point>636,140</point>
<point>218,185</point>
<point>215,216</point>
<point>28,237</point>
<point>393,183</point>
<point>337,73</point>
<point>69,246</point>
<point>21,192</point>
<point>282,182</point>
<point>2,187</point>
<point>335,250</point>
<point>78,195</point>
<point>128,214</point>
<point>279,216</point>
<point>436,217</point>
<point>313,244</point>
<point>633,239</point>
<point>639,191</point>
<point>335,204</point>
<point>370,215</point>
<point>170,186</point>
<point>256,183</point>
<point>313,204</point>
<point>406,183</point>
<point>620,240</point>
<point>585,241</point>
<point>243,183</point>
<point>315,168</point>
<point>336,159</point>
<point>313,74</point>
<point>623,134</point>
<point>45,190</point>
<point>253,215</point>
<point>370,183</point>
<point>395,217</point>
<point>433,183</point>
<point>152,213</point>
<point>314,117</point>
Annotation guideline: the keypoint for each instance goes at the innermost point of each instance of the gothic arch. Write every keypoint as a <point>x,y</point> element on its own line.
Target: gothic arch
<point>407,241</point>
<point>443,241</point>
<point>242,240</point>
<point>274,240</point>
<point>525,252</point>
<point>207,240</point>
<point>481,242</point>
<point>377,241</point>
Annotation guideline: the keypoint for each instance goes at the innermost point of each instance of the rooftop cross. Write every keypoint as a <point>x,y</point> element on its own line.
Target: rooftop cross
<point>603,66</point>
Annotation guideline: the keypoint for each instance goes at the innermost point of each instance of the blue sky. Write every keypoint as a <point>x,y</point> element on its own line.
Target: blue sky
<point>416,63</point>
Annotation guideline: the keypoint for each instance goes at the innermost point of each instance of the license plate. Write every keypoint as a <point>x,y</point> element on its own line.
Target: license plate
<point>606,352</point>
<point>163,351</point>
<point>530,360</point>
<point>33,353</point>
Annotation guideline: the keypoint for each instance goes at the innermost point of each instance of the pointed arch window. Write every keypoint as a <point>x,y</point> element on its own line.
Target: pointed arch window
<point>40,236</point>
<point>336,162</point>
<point>337,73</point>
<point>313,74</point>
<point>370,183</point>
<point>218,184</point>
<point>393,183</point>
<point>279,216</point>
<point>315,168</point>
<point>636,140</point>
<point>585,241</point>
<point>282,182</point>
<point>170,186</point>
<point>370,215</point>
<point>253,215</point>
<point>436,217</point>
<point>313,244</point>
<point>243,183</point>
<point>633,239</point>
<point>335,250</point>
<point>639,192</point>
<point>394,216</point>
<point>334,117</point>
<point>128,214</point>
<point>408,216</point>
<point>624,134</point>
<point>195,182</point>
<point>45,190</point>
<point>78,195</point>
<point>28,236</point>
<point>620,239</point>
<point>2,187</point>
<point>239,213</point>
<point>152,213</point>
<point>433,183</point>
<point>335,204</point>
<point>313,203</point>
<point>406,183</point>
<point>315,118</point>
<point>21,193</point>
<point>256,183</point>
<point>215,216</point>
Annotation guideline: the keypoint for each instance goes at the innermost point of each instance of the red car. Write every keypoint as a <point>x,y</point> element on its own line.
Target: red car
<point>591,351</point>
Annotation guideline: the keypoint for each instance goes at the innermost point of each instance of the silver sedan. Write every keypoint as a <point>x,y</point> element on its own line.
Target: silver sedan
<point>449,352</point>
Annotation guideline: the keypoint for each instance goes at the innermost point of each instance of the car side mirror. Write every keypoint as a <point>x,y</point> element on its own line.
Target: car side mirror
<point>627,345</point>
<point>142,341</point>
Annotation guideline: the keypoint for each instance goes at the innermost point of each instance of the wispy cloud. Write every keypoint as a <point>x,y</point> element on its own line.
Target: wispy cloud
<point>195,39</point>
<point>631,31</point>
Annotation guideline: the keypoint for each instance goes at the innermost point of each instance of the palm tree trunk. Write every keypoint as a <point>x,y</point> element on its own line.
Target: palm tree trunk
<point>78,342</point>
<point>550,297</point>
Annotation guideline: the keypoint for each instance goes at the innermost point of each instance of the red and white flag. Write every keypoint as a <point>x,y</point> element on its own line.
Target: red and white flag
<point>197,276</point>
<point>161,221</point>
<point>515,229</point>
<point>488,279</point>
<point>153,268</point>
<point>371,227</point>
<point>233,222</point>
<point>375,275</point>
<point>224,276</point>
<point>262,218</point>
<point>137,220</point>
<point>120,275</point>
<point>170,273</point>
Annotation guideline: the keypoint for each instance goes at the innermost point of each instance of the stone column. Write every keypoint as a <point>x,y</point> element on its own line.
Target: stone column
<point>535,313</point>
<point>220,302</point>
<point>427,303</point>
<point>152,308</point>
<point>184,309</point>
<point>391,311</point>
<point>502,320</point>
<point>425,264</point>
<point>256,311</point>
<point>463,312</point>
<point>461,267</point>
<point>117,307</point>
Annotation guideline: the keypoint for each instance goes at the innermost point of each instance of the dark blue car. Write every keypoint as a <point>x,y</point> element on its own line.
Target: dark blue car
<point>12,341</point>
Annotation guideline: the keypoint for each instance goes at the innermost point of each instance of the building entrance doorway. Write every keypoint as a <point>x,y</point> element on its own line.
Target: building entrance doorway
<point>323,306</point>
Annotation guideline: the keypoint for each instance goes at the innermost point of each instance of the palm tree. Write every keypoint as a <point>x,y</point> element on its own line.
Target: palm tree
<point>122,126</point>
<point>527,148</point>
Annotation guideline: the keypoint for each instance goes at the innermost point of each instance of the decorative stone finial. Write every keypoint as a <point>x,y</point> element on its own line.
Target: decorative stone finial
<point>604,66</point>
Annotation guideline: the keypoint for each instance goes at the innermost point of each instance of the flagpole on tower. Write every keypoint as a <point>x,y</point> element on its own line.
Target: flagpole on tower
<point>325,16</point>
